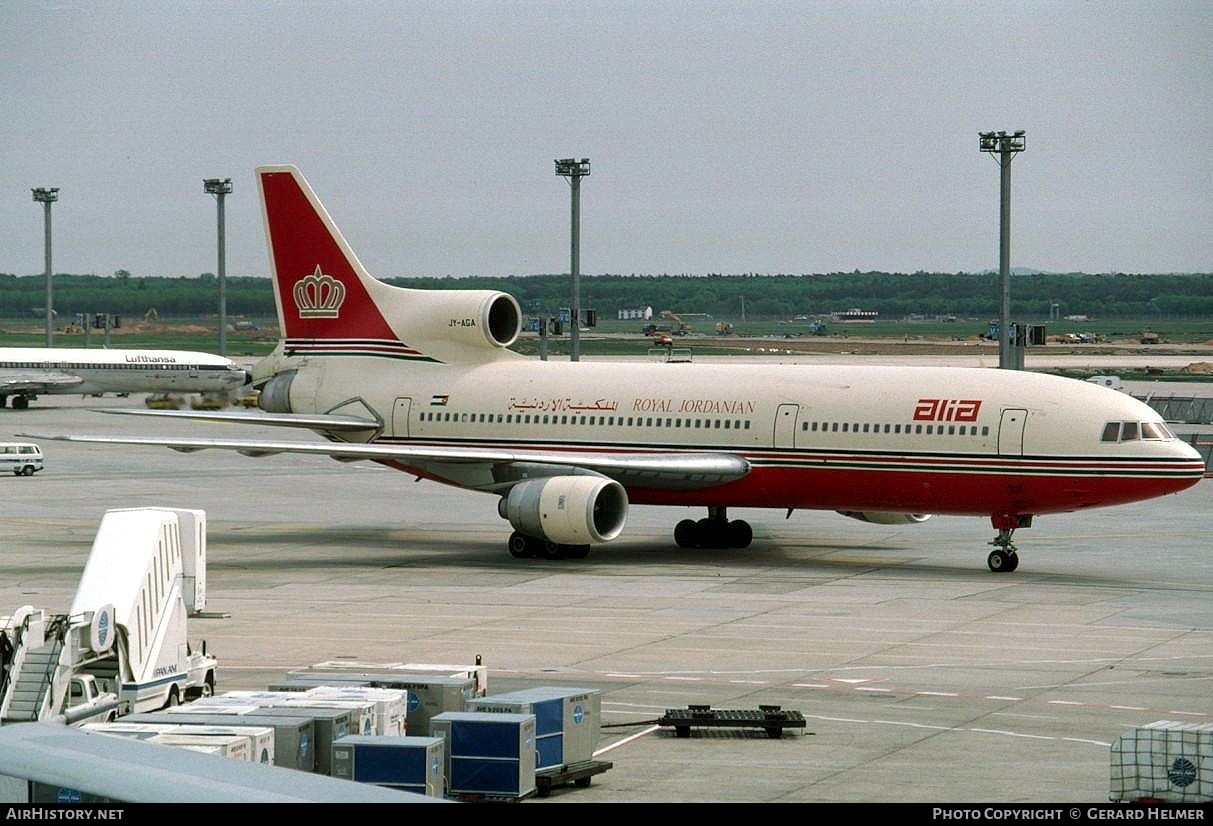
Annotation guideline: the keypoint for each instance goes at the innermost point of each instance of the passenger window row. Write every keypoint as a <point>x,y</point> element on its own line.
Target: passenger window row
<point>134,365</point>
<point>670,422</point>
<point>915,429</point>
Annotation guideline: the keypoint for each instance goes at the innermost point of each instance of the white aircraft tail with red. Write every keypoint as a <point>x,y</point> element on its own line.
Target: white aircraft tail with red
<point>329,304</point>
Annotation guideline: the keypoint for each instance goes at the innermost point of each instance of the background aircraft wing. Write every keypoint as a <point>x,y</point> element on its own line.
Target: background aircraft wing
<point>38,381</point>
<point>673,470</point>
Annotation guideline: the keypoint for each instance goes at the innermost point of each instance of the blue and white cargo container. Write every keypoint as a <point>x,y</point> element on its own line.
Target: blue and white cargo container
<point>409,764</point>
<point>490,754</point>
<point>568,721</point>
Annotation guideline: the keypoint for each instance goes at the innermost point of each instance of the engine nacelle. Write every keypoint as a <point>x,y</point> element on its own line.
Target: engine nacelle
<point>450,325</point>
<point>276,392</point>
<point>568,510</point>
<point>466,318</point>
<point>884,518</point>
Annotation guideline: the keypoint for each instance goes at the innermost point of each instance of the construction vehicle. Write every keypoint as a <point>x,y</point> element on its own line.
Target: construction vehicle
<point>724,328</point>
<point>122,646</point>
<point>1148,336</point>
<point>679,327</point>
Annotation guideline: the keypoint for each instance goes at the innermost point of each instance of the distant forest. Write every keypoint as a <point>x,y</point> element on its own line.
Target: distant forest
<point>892,295</point>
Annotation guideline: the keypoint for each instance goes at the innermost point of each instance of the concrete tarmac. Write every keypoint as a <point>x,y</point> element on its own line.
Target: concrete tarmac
<point>922,676</point>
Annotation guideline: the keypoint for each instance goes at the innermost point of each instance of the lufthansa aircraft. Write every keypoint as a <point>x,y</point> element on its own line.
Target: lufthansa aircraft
<point>423,381</point>
<point>28,372</point>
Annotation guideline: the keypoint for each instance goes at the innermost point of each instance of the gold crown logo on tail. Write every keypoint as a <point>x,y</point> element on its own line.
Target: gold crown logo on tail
<point>319,295</point>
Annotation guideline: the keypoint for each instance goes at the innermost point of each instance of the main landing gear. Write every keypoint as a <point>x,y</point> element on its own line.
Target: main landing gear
<point>1004,558</point>
<point>20,401</point>
<point>716,531</point>
<point>522,546</point>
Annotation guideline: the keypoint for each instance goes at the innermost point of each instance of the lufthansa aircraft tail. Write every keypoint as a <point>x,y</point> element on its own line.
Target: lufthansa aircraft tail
<point>329,305</point>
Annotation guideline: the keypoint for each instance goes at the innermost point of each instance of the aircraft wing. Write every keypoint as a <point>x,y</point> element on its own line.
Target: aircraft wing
<point>319,421</point>
<point>681,471</point>
<point>38,381</point>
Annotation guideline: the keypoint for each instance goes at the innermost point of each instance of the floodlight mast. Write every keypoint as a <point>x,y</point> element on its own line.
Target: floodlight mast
<point>47,196</point>
<point>575,170</point>
<point>220,187</point>
<point>1003,146</point>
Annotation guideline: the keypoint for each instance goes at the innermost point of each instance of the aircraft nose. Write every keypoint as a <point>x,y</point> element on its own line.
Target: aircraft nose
<point>1188,450</point>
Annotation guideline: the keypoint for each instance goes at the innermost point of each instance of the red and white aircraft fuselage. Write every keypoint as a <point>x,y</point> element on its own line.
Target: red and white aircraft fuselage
<point>423,380</point>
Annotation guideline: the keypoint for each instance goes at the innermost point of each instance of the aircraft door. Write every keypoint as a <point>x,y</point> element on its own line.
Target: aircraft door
<point>1010,432</point>
<point>785,425</point>
<point>400,416</point>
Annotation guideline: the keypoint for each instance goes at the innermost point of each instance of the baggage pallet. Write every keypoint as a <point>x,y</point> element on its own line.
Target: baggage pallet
<point>487,797</point>
<point>579,774</point>
<point>771,719</point>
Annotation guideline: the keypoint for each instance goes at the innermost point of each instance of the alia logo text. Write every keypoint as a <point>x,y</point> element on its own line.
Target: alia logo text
<point>947,410</point>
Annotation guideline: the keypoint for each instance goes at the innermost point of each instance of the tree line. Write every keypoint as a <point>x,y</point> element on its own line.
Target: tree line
<point>753,296</point>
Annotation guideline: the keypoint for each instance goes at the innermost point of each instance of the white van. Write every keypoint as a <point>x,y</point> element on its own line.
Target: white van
<point>22,458</point>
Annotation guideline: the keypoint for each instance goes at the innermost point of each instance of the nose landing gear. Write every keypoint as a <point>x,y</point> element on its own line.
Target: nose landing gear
<point>1004,558</point>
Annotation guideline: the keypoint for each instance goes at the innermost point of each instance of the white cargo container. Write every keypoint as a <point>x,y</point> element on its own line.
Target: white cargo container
<point>478,672</point>
<point>391,705</point>
<point>1165,761</point>
<point>428,694</point>
<point>214,705</point>
<point>261,738</point>
<point>139,731</point>
<point>235,747</point>
<point>294,737</point>
<point>363,711</point>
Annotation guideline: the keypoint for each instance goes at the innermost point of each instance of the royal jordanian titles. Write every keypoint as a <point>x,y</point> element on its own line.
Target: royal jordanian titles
<point>28,372</point>
<point>424,381</point>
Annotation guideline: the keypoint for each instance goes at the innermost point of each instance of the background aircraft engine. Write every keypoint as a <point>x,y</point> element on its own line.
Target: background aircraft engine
<point>569,510</point>
<point>883,518</point>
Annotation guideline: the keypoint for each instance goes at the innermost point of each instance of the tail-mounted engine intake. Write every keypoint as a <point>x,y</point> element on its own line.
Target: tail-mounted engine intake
<point>434,319</point>
<point>883,518</point>
<point>568,510</point>
<point>276,393</point>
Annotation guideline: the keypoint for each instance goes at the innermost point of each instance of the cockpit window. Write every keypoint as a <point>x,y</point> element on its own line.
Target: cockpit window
<point>1154,430</point>
<point>1132,431</point>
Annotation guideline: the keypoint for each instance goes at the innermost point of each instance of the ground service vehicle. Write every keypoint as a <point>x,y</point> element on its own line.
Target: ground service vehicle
<point>22,458</point>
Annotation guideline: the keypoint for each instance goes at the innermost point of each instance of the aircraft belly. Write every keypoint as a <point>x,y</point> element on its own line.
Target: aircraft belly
<point>968,493</point>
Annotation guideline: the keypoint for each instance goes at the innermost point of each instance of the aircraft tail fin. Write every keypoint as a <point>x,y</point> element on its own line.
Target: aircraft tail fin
<point>328,304</point>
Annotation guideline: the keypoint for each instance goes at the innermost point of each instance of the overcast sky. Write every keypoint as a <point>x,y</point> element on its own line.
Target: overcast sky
<point>726,137</point>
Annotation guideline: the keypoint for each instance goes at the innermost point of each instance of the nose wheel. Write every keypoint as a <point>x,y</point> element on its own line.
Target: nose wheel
<point>1003,559</point>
